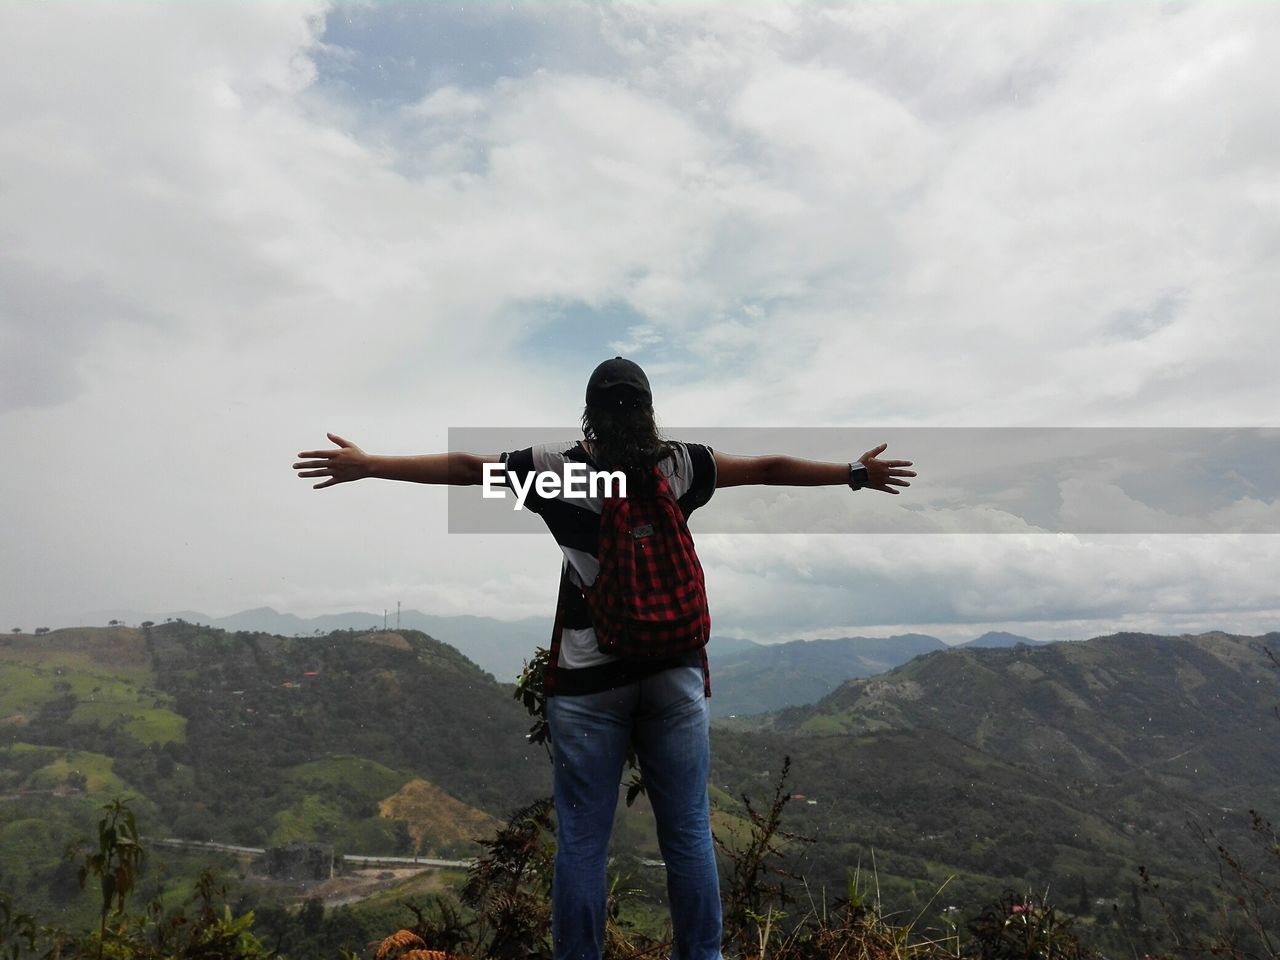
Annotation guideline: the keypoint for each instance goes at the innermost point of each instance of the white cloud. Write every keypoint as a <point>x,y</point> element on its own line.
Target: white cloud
<point>447,102</point>
<point>822,215</point>
<point>1058,587</point>
<point>840,131</point>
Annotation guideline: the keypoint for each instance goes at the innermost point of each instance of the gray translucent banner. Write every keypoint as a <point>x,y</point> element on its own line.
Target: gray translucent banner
<point>971,480</point>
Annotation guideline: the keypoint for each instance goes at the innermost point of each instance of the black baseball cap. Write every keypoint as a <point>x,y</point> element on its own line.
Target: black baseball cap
<point>617,377</point>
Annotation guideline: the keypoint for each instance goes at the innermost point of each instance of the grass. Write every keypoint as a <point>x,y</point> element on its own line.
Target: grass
<point>149,725</point>
<point>116,652</point>
<point>721,799</point>
<point>824,724</point>
<point>23,689</point>
<point>103,699</point>
<point>311,818</point>
<point>734,831</point>
<point>373,780</point>
<point>20,749</point>
<point>98,770</point>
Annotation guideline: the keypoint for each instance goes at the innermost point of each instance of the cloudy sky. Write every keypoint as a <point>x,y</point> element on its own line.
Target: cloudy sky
<point>228,227</point>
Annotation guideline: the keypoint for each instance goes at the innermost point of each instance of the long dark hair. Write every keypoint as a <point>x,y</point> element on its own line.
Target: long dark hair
<point>624,436</point>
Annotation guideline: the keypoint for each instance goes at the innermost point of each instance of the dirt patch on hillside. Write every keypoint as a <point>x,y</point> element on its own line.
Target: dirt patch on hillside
<point>434,817</point>
<point>393,640</point>
<point>351,887</point>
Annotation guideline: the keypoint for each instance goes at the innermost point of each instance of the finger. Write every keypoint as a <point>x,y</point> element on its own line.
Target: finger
<point>328,483</point>
<point>897,463</point>
<point>872,453</point>
<point>324,454</point>
<point>339,441</point>
<point>314,473</point>
<point>884,490</point>
<point>902,473</point>
<point>310,464</point>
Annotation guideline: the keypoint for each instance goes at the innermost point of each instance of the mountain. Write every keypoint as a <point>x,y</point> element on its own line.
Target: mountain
<point>1080,710</point>
<point>375,742</point>
<point>499,647</point>
<point>767,677</point>
<point>1057,765</point>
<point>1065,764</point>
<point>726,646</point>
<point>998,638</point>
<point>257,739</point>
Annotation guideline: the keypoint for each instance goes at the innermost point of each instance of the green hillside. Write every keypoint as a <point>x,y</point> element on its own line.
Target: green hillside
<point>258,705</point>
<point>249,739</point>
<point>100,678</point>
<point>1066,765</point>
<point>971,770</point>
<point>1187,712</point>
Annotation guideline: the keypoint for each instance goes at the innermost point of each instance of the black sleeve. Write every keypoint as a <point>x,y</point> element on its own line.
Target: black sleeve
<point>704,478</point>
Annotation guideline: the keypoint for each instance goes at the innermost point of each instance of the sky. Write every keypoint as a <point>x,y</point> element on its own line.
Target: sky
<point>229,227</point>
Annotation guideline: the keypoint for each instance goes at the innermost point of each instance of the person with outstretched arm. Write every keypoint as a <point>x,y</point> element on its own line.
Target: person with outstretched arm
<point>600,703</point>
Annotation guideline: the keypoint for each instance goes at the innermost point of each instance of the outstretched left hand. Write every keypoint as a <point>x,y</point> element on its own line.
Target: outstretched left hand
<point>884,475</point>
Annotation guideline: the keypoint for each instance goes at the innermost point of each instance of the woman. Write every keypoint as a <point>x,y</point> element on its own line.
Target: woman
<point>599,705</point>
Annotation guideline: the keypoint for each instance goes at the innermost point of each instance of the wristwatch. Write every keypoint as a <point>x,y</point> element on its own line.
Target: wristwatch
<point>858,475</point>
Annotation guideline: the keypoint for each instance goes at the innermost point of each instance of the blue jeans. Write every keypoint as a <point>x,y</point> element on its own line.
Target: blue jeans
<point>667,718</point>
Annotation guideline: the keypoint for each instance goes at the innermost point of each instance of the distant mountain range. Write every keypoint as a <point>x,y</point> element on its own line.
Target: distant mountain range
<point>499,647</point>
<point>1068,763</point>
<point>748,676</point>
<point>769,677</point>
<point>1063,765</point>
<point>766,677</point>
<point>1089,711</point>
<point>998,638</point>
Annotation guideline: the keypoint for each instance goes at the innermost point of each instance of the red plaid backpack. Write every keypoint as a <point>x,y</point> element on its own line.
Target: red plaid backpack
<point>649,599</point>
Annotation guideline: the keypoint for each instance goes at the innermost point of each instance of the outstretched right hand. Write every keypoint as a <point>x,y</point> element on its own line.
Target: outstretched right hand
<point>348,462</point>
<point>885,475</point>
